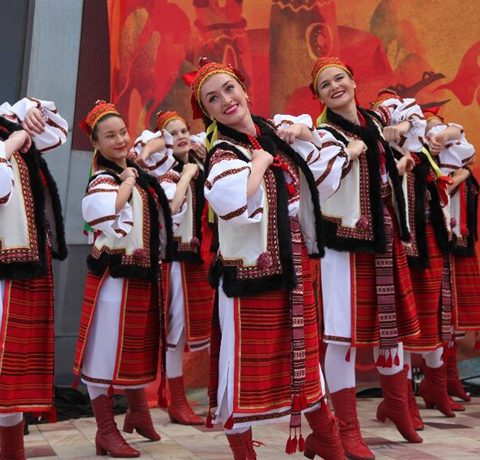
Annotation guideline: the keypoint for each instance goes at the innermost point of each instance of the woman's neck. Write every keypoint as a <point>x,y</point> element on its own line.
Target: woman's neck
<point>182,157</point>
<point>245,126</point>
<point>349,112</point>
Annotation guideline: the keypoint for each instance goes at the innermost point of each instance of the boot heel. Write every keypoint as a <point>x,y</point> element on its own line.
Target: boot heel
<point>381,417</point>
<point>428,403</point>
<point>100,449</point>
<point>309,453</point>
<point>128,427</point>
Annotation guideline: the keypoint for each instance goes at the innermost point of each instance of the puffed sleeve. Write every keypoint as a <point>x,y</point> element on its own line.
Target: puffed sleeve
<point>158,163</point>
<point>395,110</point>
<point>325,156</point>
<point>456,153</point>
<point>6,177</point>
<point>226,190</point>
<point>56,128</point>
<point>98,208</point>
<point>169,182</point>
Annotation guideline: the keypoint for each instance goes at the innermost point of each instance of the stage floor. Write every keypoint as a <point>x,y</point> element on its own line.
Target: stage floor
<point>444,438</point>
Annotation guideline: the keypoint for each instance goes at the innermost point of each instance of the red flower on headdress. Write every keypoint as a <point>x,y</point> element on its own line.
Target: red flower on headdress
<point>99,110</point>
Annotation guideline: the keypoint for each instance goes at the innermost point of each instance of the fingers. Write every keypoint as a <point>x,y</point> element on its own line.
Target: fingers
<point>34,122</point>
<point>26,146</point>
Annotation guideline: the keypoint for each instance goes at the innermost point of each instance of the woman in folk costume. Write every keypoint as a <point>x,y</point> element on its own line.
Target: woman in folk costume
<point>364,229</point>
<point>31,233</point>
<point>454,154</point>
<point>265,351</point>
<point>188,296</point>
<point>122,315</point>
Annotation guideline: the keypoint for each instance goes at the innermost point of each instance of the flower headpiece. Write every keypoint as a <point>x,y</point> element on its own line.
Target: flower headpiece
<point>164,118</point>
<point>323,63</point>
<point>197,78</point>
<point>99,110</point>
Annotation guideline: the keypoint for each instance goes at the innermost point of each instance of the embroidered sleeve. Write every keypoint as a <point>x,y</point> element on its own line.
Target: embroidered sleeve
<point>169,183</point>
<point>226,190</point>
<point>56,127</point>
<point>158,163</point>
<point>6,177</point>
<point>457,153</point>
<point>395,110</point>
<point>98,208</point>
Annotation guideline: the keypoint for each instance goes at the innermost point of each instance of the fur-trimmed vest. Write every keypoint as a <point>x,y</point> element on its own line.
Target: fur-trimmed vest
<point>138,254</point>
<point>353,216</point>
<point>32,219</point>
<point>257,257</point>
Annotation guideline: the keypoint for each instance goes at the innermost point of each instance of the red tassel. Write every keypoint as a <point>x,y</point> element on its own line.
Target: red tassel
<point>381,362</point>
<point>396,361</point>
<point>110,391</point>
<point>389,360</point>
<point>347,356</point>
<point>229,423</point>
<point>288,446</point>
<point>294,444</point>
<point>301,443</point>
<point>291,189</point>
<point>75,382</point>
<point>209,421</point>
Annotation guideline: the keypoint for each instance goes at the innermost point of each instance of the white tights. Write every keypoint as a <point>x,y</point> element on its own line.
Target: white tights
<point>174,359</point>
<point>11,419</point>
<point>433,359</point>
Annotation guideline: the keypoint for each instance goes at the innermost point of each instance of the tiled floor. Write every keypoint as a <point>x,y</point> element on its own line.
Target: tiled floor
<point>446,439</point>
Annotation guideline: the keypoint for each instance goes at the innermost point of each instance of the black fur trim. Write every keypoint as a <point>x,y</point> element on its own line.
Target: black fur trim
<point>36,166</point>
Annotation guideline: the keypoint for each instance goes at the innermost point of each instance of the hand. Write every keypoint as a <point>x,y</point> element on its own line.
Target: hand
<point>19,140</point>
<point>289,133</point>
<point>262,157</point>
<point>152,146</point>
<point>396,133</point>
<point>405,164</point>
<point>355,149</point>
<point>190,170</point>
<point>436,143</point>
<point>34,122</point>
<point>129,172</point>
<point>200,150</point>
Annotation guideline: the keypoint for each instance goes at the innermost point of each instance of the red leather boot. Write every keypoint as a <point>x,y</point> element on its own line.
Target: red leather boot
<point>345,406</point>
<point>11,442</point>
<point>395,405</point>
<point>108,438</point>
<point>138,415</point>
<point>179,410</point>
<point>242,445</point>
<point>433,390</point>
<point>414,411</point>
<point>325,439</point>
<point>454,385</point>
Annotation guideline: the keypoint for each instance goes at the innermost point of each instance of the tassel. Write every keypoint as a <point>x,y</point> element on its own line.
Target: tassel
<point>389,360</point>
<point>75,382</point>
<point>301,444</point>
<point>294,444</point>
<point>229,423</point>
<point>381,362</point>
<point>209,421</point>
<point>396,361</point>
<point>347,356</point>
<point>110,391</point>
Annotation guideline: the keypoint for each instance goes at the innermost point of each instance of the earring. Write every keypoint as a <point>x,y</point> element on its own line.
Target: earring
<point>247,99</point>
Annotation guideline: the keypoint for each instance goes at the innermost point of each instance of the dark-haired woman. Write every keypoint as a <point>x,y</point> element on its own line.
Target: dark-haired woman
<point>121,316</point>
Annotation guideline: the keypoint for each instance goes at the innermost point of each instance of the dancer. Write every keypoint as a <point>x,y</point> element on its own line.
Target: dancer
<point>265,358</point>
<point>365,225</point>
<point>188,296</point>
<point>31,233</point>
<point>122,315</point>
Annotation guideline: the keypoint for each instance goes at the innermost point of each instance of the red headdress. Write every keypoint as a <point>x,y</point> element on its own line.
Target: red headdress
<point>323,63</point>
<point>197,78</point>
<point>99,110</point>
<point>164,118</point>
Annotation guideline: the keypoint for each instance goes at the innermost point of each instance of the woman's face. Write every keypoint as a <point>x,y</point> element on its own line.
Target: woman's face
<point>112,139</point>
<point>335,88</point>
<point>181,137</point>
<point>225,100</point>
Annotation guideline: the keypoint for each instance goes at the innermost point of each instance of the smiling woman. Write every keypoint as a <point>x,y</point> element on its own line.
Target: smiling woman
<point>265,199</point>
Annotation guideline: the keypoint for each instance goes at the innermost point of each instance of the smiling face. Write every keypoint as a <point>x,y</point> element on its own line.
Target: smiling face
<point>181,137</point>
<point>225,100</point>
<point>111,138</point>
<point>335,88</point>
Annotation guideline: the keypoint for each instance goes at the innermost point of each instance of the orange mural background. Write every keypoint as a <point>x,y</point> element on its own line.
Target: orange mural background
<point>427,49</point>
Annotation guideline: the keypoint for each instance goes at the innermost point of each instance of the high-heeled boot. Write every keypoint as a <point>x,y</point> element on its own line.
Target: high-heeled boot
<point>138,415</point>
<point>108,438</point>
<point>433,390</point>
<point>179,409</point>
<point>345,406</point>
<point>11,442</point>
<point>242,445</point>
<point>414,411</point>
<point>395,405</point>
<point>454,385</point>
<point>325,439</point>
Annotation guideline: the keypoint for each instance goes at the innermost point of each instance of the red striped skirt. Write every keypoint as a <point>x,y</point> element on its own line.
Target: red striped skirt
<point>467,293</point>
<point>427,289</point>
<point>27,346</point>
<point>139,334</point>
<point>198,303</point>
